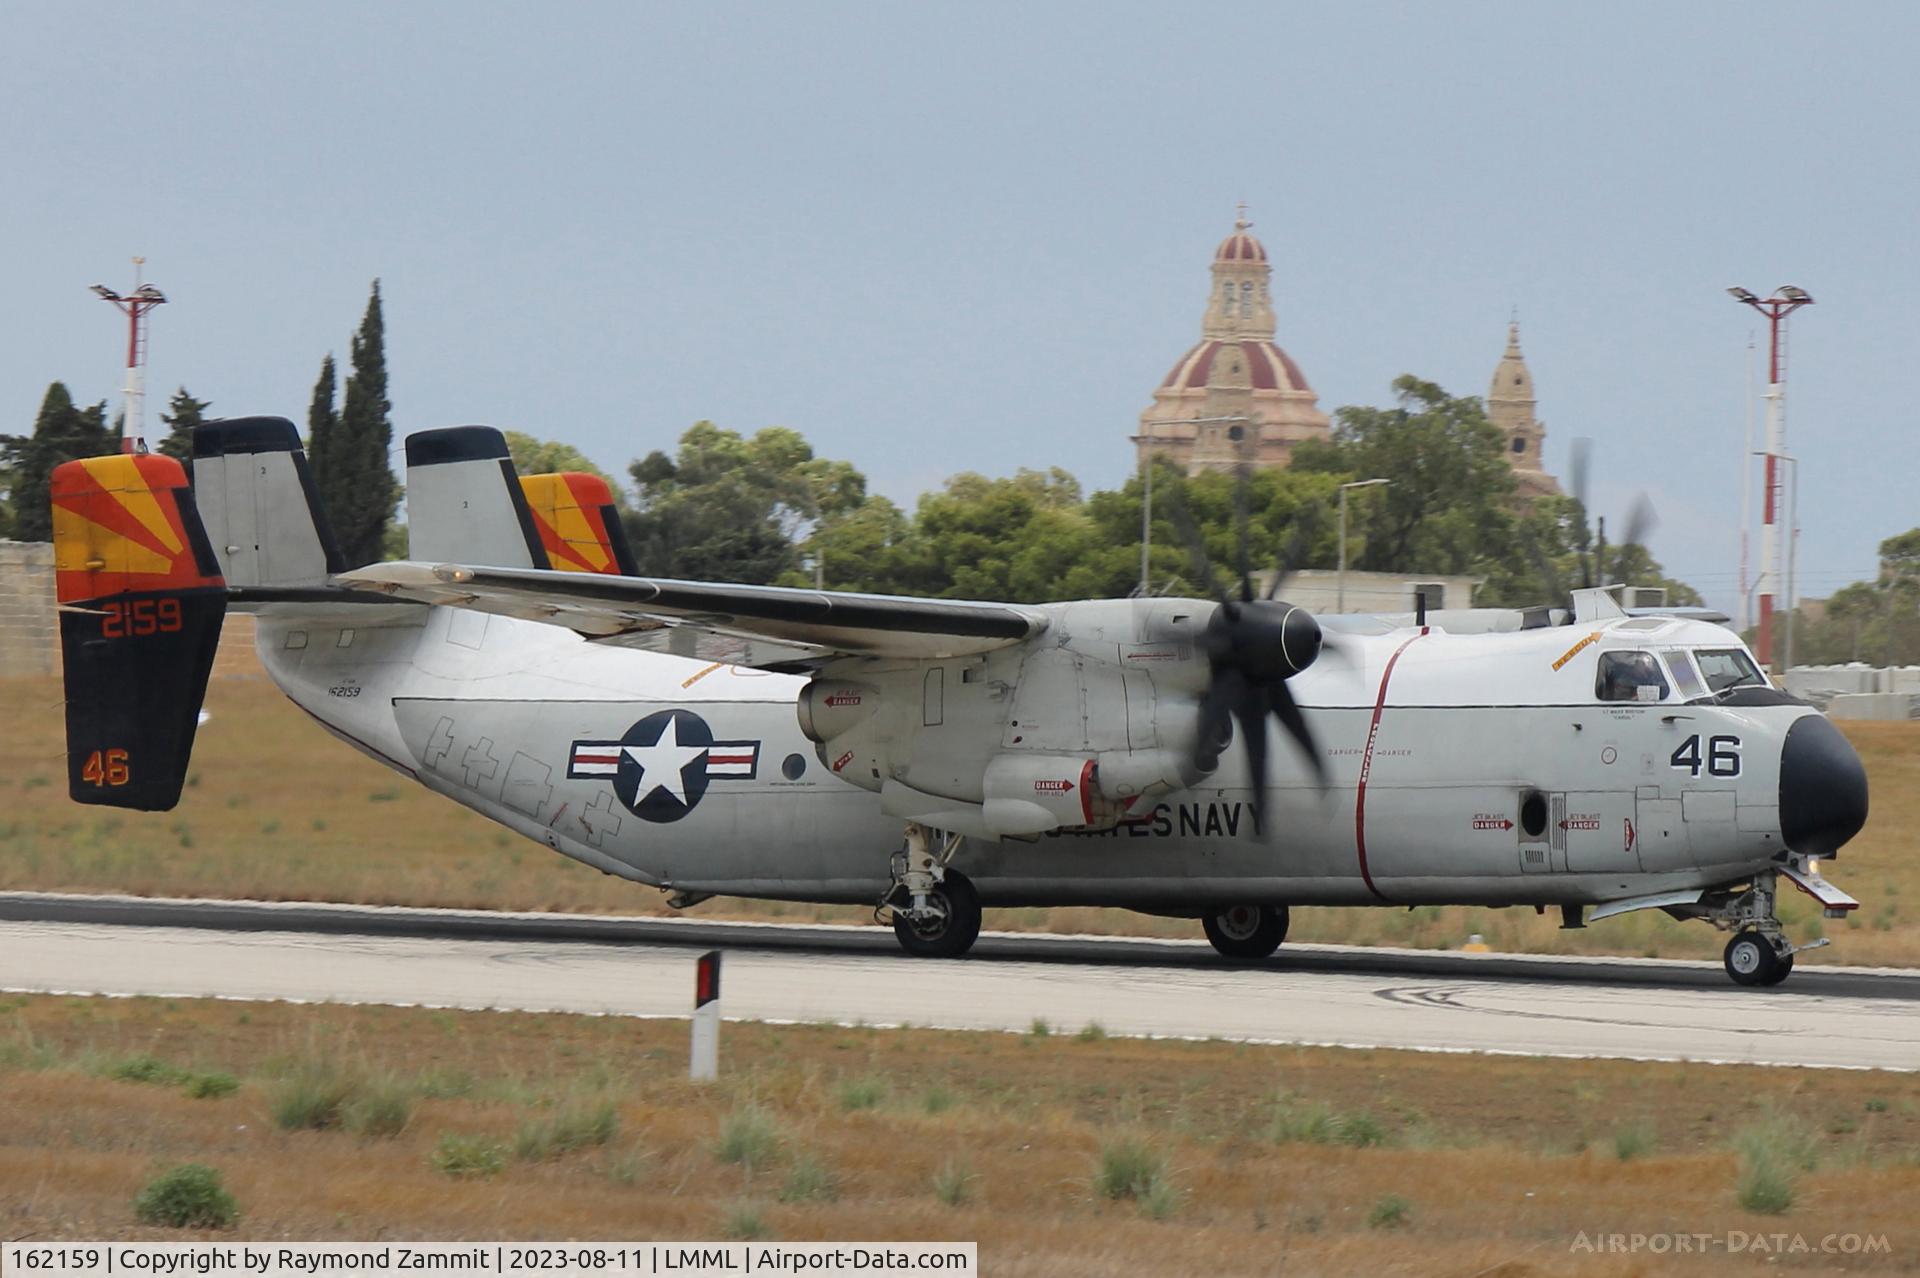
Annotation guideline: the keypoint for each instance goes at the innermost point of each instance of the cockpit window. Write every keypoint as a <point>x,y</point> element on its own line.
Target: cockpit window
<point>1630,676</point>
<point>1685,681</point>
<point>1725,668</point>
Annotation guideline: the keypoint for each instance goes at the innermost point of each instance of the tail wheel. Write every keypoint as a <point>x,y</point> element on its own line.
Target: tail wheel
<point>1751,959</point>
<point>954,932</point>
<point>1246,931</point>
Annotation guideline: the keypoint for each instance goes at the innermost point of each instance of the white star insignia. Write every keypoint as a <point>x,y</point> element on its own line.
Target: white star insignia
<point>662,762</point>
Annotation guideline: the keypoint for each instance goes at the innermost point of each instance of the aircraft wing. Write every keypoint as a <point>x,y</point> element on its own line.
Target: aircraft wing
<point>770,627</point>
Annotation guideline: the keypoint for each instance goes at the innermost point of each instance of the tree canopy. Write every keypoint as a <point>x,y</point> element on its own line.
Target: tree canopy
<point>183,414</point>
<point>361,491</point>
<point>61,432</point>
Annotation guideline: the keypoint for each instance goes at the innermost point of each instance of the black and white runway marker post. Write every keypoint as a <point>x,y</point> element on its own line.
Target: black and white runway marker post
<point>705,1065</point>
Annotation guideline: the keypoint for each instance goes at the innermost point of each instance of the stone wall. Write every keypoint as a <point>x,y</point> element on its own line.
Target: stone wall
<point>29,631</point>
<point>30,628</point>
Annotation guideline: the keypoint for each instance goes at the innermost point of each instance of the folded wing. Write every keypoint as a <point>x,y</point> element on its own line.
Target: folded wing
<point>770,627</point>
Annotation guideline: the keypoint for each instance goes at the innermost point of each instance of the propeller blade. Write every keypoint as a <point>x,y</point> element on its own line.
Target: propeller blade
<point>1287,711</point>
<point>1252,717</point>
<point>1642,519</point>
<point>1296,549</point>
<point>1241,478</point>
<point>1549,576</point>
<point>1577,486</point>
<point>1216,725</point>
<point>1600,553</point>
<point>1197,557</point>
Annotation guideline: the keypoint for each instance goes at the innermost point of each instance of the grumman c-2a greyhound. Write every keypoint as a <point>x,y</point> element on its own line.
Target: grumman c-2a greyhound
<point>769,742</point>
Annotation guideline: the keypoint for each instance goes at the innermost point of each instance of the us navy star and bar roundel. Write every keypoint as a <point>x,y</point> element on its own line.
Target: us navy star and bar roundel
<point>661,768</point>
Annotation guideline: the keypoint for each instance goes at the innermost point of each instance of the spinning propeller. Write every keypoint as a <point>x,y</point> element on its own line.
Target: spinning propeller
<point>1590,541</point>
<point>1253,645</point>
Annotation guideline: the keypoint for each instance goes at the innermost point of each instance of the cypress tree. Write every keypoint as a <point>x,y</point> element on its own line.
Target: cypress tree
<point>323,426</point>
<point>184,412</point>
<point>61,432</point>
<point>364,482</point>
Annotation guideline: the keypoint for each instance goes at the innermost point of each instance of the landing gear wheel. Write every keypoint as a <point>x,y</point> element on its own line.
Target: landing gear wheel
<point>950,935</point>
<point>1752,960</point>
<point>1246,931</point>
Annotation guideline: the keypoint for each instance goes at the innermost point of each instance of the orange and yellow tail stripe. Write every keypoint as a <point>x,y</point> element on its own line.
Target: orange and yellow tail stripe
<point>118,526</point>
<point>574,514</point>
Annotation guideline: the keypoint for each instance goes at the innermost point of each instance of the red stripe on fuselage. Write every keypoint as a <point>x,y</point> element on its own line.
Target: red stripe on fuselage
<point>1366,766</point>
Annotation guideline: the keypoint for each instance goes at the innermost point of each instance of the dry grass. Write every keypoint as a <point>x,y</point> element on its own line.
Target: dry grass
<point>1015,1162</point>
<point>278,810</point>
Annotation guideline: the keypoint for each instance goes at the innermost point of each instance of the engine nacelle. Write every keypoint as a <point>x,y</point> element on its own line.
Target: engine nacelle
<point>1035,793</point>
<point>829,707</point>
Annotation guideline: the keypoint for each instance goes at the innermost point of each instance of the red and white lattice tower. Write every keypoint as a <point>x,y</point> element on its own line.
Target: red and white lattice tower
<point>1785,300</point>
<point>135,306</point>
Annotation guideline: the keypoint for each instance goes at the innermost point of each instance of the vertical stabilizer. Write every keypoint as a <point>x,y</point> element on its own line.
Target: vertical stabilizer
<point>261,508</point>
<point>578,523</point>
<point>465,503</point>
<point>141,602</point>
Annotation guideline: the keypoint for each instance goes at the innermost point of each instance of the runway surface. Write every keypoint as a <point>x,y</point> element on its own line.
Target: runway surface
<point>1640,1009</point>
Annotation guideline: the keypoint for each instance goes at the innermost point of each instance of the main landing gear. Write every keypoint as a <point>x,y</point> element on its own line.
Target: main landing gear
<point>1759,953</point>
<point>935,911</point>
<point>1246,932</point>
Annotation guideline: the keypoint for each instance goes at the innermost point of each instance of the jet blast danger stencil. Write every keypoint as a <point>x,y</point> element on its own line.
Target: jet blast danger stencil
<point>664,763</point>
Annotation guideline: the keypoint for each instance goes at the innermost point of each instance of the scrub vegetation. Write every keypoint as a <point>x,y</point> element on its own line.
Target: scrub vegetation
<point>278,810</point>
<point>1059,1156</point>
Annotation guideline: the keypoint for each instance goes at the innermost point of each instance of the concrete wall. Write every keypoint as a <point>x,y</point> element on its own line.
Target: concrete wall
<point>30,628</point>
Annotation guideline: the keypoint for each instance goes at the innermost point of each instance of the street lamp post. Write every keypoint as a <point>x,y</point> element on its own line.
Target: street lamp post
<point>1340,599</point>
<point>1146,485</point>
<point>1785,300</point>
<point>134,306</point>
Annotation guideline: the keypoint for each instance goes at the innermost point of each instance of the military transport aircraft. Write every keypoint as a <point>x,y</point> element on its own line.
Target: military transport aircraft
<point>768,742</point>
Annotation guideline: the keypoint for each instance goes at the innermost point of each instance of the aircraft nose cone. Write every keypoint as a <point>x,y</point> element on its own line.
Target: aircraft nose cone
<point>1823,788</point>
<point>1299,639</point>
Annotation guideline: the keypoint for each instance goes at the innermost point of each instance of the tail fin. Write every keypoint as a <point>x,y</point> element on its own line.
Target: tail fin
<point>464,501</point>
<point>262,511</point>
<point>141,602</point>
<point>578,523</point>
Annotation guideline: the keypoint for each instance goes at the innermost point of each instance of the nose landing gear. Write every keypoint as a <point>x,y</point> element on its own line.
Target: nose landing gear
<point>1759,953</point>
<point>934,908</point>
<point>1754,958</point>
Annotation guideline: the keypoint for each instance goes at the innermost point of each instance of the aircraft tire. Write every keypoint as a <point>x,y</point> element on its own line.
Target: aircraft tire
<point>1246,932</point>
<point>953,935</point>
<point>1751,960</point>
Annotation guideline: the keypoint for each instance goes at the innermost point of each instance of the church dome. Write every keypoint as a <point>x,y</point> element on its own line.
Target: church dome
<point>1240,246</point>
<point>1268,367</point>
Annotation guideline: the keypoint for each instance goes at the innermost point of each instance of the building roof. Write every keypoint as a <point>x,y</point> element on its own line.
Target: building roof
<point>1240,246</point>
<point>1269,367</point>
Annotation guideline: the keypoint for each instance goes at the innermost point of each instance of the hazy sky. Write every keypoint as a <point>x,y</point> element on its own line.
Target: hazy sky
<point>936,238</point>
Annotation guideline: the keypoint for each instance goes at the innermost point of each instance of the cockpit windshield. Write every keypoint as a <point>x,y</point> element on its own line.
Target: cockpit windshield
<point>1725,668</point>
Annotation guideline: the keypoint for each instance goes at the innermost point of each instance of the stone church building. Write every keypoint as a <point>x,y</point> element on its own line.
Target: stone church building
<point>1236,397</point>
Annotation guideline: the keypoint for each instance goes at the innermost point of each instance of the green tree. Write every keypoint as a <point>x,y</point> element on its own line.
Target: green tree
<point>544,457</point>
<point>364,492</point>
<point>730,508</point>
<point>61,433</point>
<point>1449,507</point>
<point>183,414</point>
<point>323,428</point>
